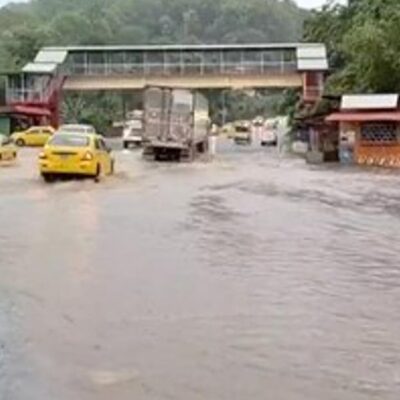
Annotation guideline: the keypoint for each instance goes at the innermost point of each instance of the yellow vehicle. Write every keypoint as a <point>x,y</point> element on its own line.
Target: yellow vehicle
<point>8,151</point>
<point>242,132</point>
<point>228,130</point>
<point>34,136</point>
<point>70,154</point>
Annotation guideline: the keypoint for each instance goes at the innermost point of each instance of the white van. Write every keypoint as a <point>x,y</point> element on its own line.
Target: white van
<point>133,134</point>
<point>269,135</point>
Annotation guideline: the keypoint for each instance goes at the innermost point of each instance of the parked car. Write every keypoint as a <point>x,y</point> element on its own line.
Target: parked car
<point>34,136</point>
<point>75,154</point>
<point>8,151</point>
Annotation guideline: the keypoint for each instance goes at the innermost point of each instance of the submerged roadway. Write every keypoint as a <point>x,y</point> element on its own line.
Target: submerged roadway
<point>250,277</point>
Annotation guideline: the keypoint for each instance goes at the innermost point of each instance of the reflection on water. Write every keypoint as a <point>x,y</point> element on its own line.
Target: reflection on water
<point>251,277</point>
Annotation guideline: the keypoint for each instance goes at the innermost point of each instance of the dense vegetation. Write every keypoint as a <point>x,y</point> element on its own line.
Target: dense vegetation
<point>363,43</point>
<point>362,38</point>
<point>24,28</point>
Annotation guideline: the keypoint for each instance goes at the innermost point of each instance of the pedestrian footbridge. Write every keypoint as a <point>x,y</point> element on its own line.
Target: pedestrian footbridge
<point>250,66</point>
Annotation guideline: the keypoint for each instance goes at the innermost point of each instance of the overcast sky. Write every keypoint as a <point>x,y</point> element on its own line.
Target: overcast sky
<point>314,3</point>
<point>302,3</point>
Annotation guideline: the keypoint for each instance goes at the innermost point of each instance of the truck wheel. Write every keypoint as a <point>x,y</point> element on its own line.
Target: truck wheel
<point>192,153</point>
<point>206,146</point>
<point>202,147</point>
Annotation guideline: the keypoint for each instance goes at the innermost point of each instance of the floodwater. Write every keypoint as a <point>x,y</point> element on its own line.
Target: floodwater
<point>252,277</point>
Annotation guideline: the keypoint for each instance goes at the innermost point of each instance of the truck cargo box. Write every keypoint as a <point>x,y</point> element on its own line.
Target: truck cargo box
<point>176,123</point>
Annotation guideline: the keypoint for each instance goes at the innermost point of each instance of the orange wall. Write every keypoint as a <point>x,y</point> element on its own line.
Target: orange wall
<point>383,156</point>
<point>373,154</point>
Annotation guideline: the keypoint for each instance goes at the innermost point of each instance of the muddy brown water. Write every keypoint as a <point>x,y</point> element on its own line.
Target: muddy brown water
<point>251,277</point>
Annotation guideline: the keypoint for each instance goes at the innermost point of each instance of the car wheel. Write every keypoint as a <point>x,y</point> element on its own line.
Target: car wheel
<point>98,174</point>
<point>20,142</point>
<point>48,178</point>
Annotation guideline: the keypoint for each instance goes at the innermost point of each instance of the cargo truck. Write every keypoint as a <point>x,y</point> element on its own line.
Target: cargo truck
<point>176,124</point>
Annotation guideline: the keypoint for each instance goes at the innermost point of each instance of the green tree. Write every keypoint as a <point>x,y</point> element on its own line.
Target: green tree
<point>362,40</point>
<point>24,28</point>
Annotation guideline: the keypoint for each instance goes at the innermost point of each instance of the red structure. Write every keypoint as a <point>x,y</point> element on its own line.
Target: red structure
<point>41,103</point>
<point>313,86</point>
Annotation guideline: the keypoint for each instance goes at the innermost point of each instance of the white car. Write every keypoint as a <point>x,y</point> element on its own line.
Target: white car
<point>133,134</point>
<point>77,128</point>
<point>269,137</point>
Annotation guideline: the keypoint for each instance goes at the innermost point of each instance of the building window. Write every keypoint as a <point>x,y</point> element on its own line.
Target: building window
<point>379,132</point>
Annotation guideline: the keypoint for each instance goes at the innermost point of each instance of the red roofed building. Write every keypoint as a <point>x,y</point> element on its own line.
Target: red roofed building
<point>369,129</point>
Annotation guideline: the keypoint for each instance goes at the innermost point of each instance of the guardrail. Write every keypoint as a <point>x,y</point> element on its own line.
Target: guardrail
<point>170,69</point>
<point>40,92</point>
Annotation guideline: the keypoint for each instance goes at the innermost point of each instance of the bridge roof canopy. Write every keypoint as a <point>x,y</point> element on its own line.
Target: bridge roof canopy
<point>309,56</point>
<point>151,59</point>
<point>40,68</point>
<point>191,47</point>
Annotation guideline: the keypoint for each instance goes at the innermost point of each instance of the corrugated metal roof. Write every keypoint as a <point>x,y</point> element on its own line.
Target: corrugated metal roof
<point>312,64</point>
<point>312,57</point>
<point>311,51</point>
<point>51,56</point>
<point>370,101</point>
<point>40,68</point>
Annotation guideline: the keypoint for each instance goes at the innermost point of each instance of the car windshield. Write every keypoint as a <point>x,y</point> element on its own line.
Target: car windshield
<point>242,129</point>
<point>69,141</point>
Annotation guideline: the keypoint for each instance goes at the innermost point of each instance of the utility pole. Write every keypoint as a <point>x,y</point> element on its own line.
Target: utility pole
<point>224,110</point>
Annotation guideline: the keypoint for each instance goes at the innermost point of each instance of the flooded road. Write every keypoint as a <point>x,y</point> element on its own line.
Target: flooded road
<point>252,277</point>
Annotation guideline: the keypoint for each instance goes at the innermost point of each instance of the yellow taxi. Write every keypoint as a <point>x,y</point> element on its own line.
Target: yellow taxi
<point>75,154</point>
<point>8,151</point>
<point>34,136</point>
